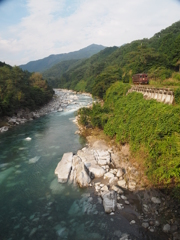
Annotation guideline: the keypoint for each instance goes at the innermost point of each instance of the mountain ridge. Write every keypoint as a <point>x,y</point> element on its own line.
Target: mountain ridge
<point>43,64</point>
<point>158,56</point>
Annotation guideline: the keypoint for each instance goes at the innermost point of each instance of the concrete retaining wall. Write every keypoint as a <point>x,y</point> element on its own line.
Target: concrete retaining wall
<point>159,94</point>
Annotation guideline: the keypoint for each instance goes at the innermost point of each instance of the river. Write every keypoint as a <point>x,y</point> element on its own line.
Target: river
<point>33,205</point>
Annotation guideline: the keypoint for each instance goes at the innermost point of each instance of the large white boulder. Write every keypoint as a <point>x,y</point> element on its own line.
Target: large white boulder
<point>81,176</point>
<point>103,157</point>
<point>120,172</point>
<point>88,158</point>
<point>109,201</point>
<point>95,170</point>
<point>113,180</point>
<point>86,155</point>
<point>63,168</point>
<point>122,183</point>
<point>108,175</point>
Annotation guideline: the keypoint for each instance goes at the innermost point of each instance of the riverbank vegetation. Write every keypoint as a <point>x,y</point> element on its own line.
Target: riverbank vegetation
<point>151,128</point>
<point>21,89</point>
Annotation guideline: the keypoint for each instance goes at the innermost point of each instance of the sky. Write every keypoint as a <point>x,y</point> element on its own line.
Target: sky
<point>34,29</point>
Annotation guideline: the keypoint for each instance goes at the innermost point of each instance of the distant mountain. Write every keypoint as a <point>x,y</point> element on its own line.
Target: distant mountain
<point>45,63</point>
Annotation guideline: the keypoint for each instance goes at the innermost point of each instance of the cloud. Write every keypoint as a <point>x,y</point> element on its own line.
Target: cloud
<point>53,26</point>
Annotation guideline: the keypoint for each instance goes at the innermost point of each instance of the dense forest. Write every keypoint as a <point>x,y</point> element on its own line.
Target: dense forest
<point>152,130</point>
<point>158,56</point>
<point>21,89</point>
<point>55,72</point>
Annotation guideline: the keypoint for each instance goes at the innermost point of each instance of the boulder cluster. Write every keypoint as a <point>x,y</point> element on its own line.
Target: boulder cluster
<point>118,185</point>
<point>91,164</point>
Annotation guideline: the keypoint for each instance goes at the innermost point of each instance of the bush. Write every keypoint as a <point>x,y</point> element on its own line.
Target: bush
<point>144,124</point>
<point>177,95</point>
<point>176,76</point>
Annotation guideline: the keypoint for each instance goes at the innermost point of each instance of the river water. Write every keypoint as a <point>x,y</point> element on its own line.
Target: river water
<point>33,205</point>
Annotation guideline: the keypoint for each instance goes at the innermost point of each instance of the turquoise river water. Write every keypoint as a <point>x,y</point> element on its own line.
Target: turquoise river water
<point>33,205</point>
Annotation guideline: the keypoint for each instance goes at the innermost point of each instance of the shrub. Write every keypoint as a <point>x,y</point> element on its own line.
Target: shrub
<point>177,95</point>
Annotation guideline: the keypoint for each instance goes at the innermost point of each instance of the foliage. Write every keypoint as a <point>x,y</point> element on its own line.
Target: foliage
<point>161,73</point>
<point>104,80</point>
<point>21,89</point>
<point>177,76</point>
<point>56,71</point>
<point>177,95</point>
<point>158,56</point>
<point>147,125</point>
<point>143,124</point>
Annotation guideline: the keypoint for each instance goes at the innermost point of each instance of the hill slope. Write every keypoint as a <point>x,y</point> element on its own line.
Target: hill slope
<point>158,56</point>
<point>55,72</point>
<point>45,63</point>
<point>21,89</point>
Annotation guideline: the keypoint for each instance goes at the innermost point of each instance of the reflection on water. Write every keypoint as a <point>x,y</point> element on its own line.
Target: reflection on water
<point>32,203</point>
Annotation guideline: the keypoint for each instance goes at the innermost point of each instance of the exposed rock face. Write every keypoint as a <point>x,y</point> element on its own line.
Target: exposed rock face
<point>89,159</point>
<point>108,175</point>
<point>81,177</point>
<point>92,163</point>
<point>79,169</point>
<point>109,201</point>
<point>95,170</point>
<point>103,157</point>
<point>64,167</point>
<point>114,185</point>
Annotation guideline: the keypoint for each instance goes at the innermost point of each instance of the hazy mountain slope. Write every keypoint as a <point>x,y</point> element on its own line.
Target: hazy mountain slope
<point>47,62</point>
<point>52,74</point>
<point>86,71</point>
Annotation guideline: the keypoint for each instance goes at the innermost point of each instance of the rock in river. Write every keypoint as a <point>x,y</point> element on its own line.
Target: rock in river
<point>64,167</point>
<point>109,201</point>
<point>82,178</point>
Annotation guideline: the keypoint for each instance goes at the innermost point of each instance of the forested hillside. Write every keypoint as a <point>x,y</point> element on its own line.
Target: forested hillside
<point>158,56</point>
<point>152,129</point>
<point>21,89</point>
<point>55,72</point>
<point>91,72</point>
<point>47,62</point>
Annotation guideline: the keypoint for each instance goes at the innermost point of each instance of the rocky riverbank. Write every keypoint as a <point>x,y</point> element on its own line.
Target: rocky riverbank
<point>118,185</point>
<point>61,99</point>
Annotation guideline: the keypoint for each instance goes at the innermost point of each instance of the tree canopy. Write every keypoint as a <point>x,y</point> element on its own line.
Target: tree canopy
<point>158,56</point>
<point>21,89</point>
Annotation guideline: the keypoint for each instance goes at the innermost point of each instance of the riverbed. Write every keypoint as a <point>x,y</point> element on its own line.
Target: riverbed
<point>33,205</point>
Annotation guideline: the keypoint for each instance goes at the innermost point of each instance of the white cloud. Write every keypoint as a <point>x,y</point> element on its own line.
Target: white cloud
<point>53,26</point>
